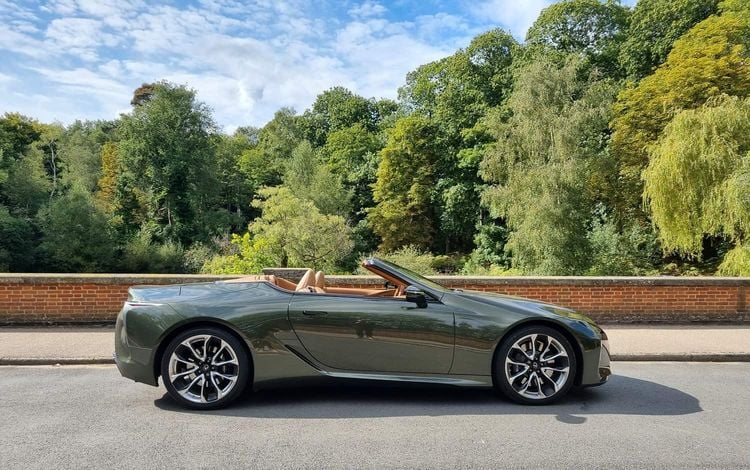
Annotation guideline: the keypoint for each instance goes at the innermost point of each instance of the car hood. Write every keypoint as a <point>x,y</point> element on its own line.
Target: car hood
<point>515,303</point>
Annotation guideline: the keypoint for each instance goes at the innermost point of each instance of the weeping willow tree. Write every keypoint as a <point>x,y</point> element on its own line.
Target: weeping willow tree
<point>697,183</point>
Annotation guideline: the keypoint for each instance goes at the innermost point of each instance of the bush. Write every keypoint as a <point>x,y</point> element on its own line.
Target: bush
<point>253,254</point>
<point>143,256</point>
<point>736,262</point>
<point>632,252</point>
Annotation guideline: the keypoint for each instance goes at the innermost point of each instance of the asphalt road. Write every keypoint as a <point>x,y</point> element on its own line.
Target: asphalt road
<point>650,415</point>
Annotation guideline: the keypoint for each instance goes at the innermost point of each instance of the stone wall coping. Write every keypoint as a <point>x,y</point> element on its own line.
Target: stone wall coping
<point>454,281</point>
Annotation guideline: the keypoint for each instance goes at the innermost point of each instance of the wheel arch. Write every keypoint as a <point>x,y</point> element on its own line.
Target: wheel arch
<point>201,323</point>
<point>550,324</point>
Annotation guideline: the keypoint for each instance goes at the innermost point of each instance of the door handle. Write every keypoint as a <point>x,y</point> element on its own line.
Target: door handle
<point>313,312</point>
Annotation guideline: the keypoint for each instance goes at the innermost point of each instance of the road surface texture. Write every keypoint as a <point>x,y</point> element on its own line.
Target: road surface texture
<point>651,415</point>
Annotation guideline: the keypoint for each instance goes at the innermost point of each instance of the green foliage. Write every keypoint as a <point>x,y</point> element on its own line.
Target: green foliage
<point>654,27</point>
<point>27,188</point>
<point>592,27</point>
<point>352,154</point>
<point>405,180</point>
<point>698,179</point>
<point>311,180</point>
<point>541,166</point>
<point>339,108</point>
<point>75,234</point>
<point>711,59</point>
<point>297,234</point>
<point>736,262</point>
<point>614,252</point>
<point>17,239</point>
<point>533,158</point>
<point>17,133</point>
<point>252,255</point>
<point>165,145</point>
<point>143,254</point>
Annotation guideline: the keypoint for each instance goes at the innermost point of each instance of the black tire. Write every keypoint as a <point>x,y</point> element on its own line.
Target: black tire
<point>211,396</point>
<point>549,383</point>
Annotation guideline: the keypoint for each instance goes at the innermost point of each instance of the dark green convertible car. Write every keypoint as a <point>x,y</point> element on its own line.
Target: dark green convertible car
<point>209,341</point>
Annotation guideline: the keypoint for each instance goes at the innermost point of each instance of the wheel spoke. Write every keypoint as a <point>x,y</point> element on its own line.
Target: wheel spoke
<point>182,374</point>
<point>205,348</point>
<point>223,363</point>
<point>520,374</point>
<point>552,358</point>
<point>221,348</point>
<point>225,377</point>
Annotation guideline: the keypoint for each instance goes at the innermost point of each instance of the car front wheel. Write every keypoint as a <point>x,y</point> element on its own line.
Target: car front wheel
<point>535,365</point>
<point>205,368</point>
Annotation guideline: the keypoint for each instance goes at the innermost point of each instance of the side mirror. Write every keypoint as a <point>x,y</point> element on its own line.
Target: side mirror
<point>415,294</point>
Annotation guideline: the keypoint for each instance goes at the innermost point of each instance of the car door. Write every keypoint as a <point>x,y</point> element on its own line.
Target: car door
<point>374,334</point>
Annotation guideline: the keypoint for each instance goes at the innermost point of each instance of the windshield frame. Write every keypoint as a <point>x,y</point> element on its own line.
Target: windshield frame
<point>407,275</point>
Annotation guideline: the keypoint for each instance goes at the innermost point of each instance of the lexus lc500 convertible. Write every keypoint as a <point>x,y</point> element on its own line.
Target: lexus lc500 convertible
<point>209,341</point>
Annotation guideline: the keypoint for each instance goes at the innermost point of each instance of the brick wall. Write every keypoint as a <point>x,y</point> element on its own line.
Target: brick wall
<point>42,298</point>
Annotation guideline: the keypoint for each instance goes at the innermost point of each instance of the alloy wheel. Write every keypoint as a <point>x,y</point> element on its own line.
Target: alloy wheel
<point>537,366</point>
<point>203,368</point>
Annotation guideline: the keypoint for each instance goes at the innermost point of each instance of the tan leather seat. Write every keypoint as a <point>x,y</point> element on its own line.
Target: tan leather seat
<point>320,281</point>
<point>308,280</point>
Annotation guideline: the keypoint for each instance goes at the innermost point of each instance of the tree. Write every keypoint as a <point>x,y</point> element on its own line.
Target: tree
<point>17,133</point>
<point>405,181</point>
<point>709,60</point>
<point>541,168</point>
<point>336,109</point>
<point>79,151</point>
<point>264,163</point>
<point>455,94</point>
<point>310,180</point>
<point>234,189</point>
<point>592,27</point>
<point>110,169</point>
<point>352,154</point>
<point>17,240</point>
<point>296,234</point>
<point>697,182</point>
<point>75,234</point>
<point>654,27</point>
<point>165,145</point>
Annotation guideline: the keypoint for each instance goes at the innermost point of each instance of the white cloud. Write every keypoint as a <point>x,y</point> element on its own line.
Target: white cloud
<point>367,9</point>
<point>514,15</point>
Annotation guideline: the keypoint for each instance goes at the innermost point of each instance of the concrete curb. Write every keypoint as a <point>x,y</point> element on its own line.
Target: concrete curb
<point>688,357</point>
<point>745,357</point>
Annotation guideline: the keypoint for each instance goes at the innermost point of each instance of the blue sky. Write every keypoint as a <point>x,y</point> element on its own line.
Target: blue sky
<point>62,60</point>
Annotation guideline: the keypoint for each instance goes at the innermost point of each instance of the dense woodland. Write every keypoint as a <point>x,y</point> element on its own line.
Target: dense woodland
<point>612,141</point>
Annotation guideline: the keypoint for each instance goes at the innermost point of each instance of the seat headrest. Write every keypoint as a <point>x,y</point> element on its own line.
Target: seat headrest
<point>320,279</point>
<point>307,280</point>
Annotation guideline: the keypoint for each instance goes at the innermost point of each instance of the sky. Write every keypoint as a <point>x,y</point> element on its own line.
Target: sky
<point>62,60</point>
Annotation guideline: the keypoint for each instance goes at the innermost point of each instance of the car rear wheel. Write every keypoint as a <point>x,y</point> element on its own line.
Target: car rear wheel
<point>535,365</point>
<point>205,368</point>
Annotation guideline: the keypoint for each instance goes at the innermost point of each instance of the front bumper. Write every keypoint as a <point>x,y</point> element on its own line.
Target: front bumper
<point>605,369</point>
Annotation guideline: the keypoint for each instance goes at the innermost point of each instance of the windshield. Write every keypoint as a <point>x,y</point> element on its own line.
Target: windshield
<point>415,276</point>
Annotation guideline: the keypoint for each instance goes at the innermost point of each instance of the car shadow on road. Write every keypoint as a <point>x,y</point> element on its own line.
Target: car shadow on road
<point>621,396</point>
